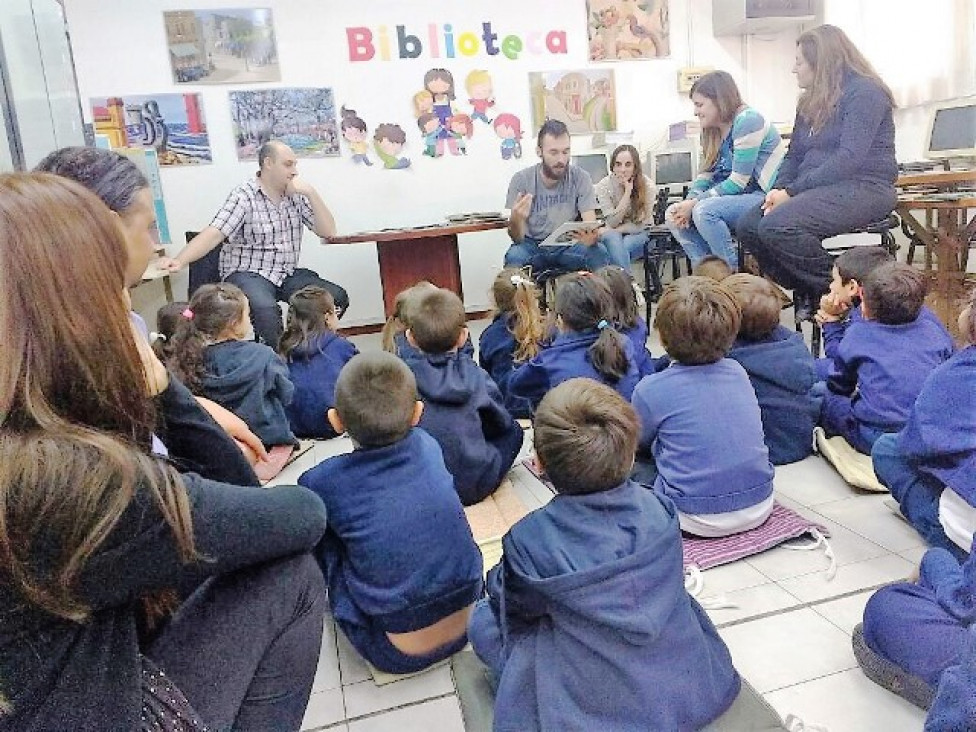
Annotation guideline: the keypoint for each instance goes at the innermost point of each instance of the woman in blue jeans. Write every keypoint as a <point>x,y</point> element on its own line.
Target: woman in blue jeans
<point>627,204</point>
<point>741,154</point>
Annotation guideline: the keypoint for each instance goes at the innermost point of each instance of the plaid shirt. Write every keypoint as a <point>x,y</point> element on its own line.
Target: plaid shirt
<point>262,236</point>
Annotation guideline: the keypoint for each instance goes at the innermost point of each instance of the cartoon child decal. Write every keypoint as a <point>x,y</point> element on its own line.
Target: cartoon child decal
<point>423,102</point>
<point>354,130</point>
<point>431,129</point>
<point>460,126</point>
<point>388,142</point>
<point>481,95</point>
<point>440,84</point>
<point>509,129</point>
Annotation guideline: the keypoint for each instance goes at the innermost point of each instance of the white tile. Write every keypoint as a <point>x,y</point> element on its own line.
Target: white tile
<point>439,715</point>
<point>787,649</point>
<point>366,697</point>
<point>811,481</point>
<point>750,602</point>
<point>731,577</point>
<point>868,516</point>
<point>324,449</point>
<point>327,671</point>
<point>848,702</point>
<point>291,473</point>
<point>871,573</point>
<point>845,612</point>
<point>914,555</point>
<point>352,667</point>
<point>324,707</point>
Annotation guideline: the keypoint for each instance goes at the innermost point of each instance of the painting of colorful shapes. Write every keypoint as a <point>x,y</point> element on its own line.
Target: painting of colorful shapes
<point>172,124</point>
<point>621,30</point>
<point>222,46</point>
<point>585,100</point>
<point>303,119</point>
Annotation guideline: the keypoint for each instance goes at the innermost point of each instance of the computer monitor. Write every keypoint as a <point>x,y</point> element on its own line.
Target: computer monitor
<point>671,167</point>
<point>593,163</point>
<point>952,133</point>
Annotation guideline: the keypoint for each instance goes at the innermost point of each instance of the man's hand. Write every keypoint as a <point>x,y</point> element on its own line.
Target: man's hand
<point>297,185</point>
<point>681,213</point>
<point>774,198</point>
<point>522,206</point>
<point>168,264</point>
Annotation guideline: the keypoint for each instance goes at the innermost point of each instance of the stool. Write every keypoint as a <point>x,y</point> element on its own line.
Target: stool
<point>659,249</point>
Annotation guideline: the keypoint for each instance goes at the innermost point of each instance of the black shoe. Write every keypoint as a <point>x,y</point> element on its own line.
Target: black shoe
<point>805,305</point>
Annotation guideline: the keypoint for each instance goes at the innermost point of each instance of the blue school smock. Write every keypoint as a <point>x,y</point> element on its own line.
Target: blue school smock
<point>496,355</point>
<point>782,372</point>
<point>314,369</point>
<point>465,413</point>
<point>567,357</point>
<point>703,427</point>
<point>597,631</point>
<point>645,362</point>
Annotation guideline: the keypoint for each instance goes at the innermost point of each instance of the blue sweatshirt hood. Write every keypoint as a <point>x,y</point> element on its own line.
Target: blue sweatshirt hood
<point>448,377</point>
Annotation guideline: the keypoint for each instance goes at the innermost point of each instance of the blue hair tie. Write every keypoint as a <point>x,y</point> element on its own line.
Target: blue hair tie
<point>602,324</point>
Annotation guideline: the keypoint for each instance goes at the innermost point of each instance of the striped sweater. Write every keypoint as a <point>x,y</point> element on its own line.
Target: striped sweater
<point>756,151</point>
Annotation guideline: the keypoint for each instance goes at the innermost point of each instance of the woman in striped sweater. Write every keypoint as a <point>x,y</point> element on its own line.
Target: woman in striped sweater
<point>741,154</point>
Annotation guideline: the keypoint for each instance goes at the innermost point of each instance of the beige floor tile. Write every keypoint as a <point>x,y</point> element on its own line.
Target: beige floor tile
<point>366,697</point>
<point>439,715</point>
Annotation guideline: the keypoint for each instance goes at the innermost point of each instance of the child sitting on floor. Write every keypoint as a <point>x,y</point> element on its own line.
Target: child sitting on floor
<point>713,267</point>
<point>394,333</point>
<point>168,317</point>
<point>700,420</point>
<point>779,366</point>
<point>587,343</point>
<point>315,354</point>
<point>514,334</point>
<point>215,355</point>
<point>587,625</point>
<point>399,560</point>
<point>463,409</point>
<point>628,320</point>
<point>883,359</point>
<point>930,466</point>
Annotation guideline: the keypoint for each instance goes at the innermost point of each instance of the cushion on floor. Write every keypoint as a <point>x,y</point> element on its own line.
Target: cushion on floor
<point>492,518</point>
<point>854,467</point>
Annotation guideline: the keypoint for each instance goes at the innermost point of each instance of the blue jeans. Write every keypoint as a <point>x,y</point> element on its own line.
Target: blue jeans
<point>713,220</point>
<point>568,259</point>
<point>917,494</point>
<point>623,248</point>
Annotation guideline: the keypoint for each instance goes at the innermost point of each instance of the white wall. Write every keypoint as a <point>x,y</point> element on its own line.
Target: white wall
<point>120,48</point>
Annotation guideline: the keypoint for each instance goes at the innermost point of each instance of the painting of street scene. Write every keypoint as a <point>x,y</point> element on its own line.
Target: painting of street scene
<point>303,119</point>
<point>222,46</point>
<point>584,100</point>
<point>172,124</point>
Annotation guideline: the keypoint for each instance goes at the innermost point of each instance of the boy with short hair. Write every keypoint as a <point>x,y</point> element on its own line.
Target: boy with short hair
<point>399,560</point>
<point>713,267</point>
<point>779,366</point>
<point>700,420</point>
<point>463,408</point>
<point>587,625</point>
<point>881,362</point>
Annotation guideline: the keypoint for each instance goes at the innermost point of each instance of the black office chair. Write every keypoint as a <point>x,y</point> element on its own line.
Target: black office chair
<point>206,270</point>
<point>661,249</point>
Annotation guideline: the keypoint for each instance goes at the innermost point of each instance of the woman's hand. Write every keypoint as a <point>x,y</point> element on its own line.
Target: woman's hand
<point>774,198</point>
<point>681,213</point>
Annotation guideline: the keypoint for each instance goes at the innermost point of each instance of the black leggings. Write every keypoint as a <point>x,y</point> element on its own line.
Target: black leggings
<point>244,646</point>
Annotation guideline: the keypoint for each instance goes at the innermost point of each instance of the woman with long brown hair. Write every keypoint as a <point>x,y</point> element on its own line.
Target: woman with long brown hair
<point>627,204</point>
<point>98,535</point>
<point>741,155</point>
<point>838,174</point>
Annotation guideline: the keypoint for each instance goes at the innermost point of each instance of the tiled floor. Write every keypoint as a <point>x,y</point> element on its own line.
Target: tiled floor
<point>789,632</point>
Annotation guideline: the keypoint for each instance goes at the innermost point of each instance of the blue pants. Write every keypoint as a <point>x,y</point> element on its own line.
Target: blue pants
<point>837,418</point>
<point>917,494</point>
<point>263,297</point>
<point>568,259</point>
<point>624,248</point>
<point>485,634</point>
<point>713,220</point>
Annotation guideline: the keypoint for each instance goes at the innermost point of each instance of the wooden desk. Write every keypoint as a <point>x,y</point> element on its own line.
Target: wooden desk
<point>946,229</point>
<point>407,256</point>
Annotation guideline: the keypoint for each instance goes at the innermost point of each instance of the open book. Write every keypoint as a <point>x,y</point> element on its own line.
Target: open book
<point>565,234</point>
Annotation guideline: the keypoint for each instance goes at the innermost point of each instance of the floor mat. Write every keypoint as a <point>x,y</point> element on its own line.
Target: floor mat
<point>279,457</point>
<point>532,465</point>
<point>492,518</point>
<point>854,467</point>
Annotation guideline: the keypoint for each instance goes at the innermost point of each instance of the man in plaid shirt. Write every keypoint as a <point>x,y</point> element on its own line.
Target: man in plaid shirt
<point>262,221</point>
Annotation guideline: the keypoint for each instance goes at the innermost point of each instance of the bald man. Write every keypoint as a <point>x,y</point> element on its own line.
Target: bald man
<point>262,222</point>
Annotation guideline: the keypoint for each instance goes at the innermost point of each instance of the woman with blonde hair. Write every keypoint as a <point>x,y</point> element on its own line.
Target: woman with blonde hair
<point>741,155</point>
<point>627,204</point>
<point>838,174</point>
<point>100,539</point>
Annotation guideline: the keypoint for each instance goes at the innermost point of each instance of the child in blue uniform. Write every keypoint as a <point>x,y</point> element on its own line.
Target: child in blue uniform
<point>883,359</point>
<point>628,319</point>
<point>587,344</point>
<point>315,354</point>
<point>463,409</point>
<point>514,335</point>
<point>700,421</point>
<point>587,625</point>
<point>930,466</point>
<point>779,366</point>
<point>394,333</point>
<point>215,355</point>
<point>399,560</point>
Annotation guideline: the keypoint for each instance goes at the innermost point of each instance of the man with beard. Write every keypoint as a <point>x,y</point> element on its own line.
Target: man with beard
<point>545,196</point>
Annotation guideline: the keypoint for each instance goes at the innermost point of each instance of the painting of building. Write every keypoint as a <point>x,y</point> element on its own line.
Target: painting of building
<point>585,100</point>
<point>172,124</point>
<point>304,119</point>
<point>229,46</point>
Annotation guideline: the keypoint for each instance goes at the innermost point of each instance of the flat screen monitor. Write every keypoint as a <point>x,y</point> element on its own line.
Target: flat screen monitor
<point>595,164</point>
<point>952,133</point>
<point>674,167</point>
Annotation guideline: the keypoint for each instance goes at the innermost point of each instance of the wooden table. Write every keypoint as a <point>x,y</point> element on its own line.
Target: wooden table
<point>946,228</point>
<point>407,256</point>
